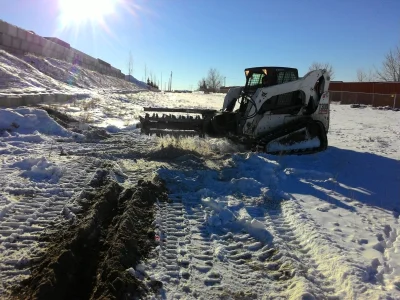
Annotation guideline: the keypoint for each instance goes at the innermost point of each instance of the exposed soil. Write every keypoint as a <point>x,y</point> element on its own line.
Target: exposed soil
<point>169,153</point>
<point>89,258</point>
<point>61,118</point>
<point>68,122</point>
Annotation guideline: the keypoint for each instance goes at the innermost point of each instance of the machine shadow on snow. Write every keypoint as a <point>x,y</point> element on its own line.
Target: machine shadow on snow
<point>352,176</point>
<point>365,177</point>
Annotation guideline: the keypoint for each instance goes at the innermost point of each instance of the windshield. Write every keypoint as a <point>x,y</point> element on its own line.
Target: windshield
<point>255,79</point>
<point>286,76</point>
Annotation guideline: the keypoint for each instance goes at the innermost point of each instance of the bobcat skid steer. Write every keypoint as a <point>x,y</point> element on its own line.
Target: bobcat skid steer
<point>276,112</point>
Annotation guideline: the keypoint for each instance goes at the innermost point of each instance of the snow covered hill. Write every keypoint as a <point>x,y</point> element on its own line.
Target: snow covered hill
<point>238,225</point>
<point>32,74</point>
<point>139,83</point>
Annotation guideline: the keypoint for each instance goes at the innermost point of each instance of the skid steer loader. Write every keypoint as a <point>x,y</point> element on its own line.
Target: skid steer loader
<point>275,111</point>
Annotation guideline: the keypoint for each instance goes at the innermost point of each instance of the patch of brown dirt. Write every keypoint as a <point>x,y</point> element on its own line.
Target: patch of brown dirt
<point>89,259</point>
<point>61,118</point>
<point>68,122</point>
<point>169,152</point>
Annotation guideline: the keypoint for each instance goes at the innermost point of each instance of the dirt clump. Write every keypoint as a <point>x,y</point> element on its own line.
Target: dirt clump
<point>61,118</point>
<point>169,152</point>
<point>89,259</point>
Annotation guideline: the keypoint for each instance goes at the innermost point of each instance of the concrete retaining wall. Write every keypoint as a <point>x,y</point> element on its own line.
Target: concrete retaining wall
<point>19,41</point>
<point>11,101</point>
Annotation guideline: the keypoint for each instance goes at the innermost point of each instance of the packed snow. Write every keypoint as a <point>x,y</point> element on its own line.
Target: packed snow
<point>327,211</point>
<point>320,226</point>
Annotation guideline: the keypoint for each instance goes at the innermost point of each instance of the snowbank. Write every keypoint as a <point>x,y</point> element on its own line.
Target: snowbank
<point>30,121</point>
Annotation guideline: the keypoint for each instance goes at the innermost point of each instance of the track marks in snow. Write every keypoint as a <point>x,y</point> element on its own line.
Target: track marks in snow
<point>348,276</point>
<point>197,258</point>
<point>207,249</point>
<point>388,245</point>
<point>299,255</point>
<point>23,219</point>
<point>255,235</point>
<point>29,206</point>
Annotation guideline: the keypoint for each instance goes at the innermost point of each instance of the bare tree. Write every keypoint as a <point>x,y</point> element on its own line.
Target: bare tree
<point>363,76</point>
<point>130,64</point>
<point>214,80</point>
<point>391,66</point>
<point>318,66</point>
<point>202,84</point>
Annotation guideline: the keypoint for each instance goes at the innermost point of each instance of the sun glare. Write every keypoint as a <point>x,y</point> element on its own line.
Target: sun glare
<point>74,12</point>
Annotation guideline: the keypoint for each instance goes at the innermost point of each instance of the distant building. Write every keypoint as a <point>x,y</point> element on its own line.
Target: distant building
<point>225,89</point>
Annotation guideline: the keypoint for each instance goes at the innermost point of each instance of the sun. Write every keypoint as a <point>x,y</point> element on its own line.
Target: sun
<point>75,12</point>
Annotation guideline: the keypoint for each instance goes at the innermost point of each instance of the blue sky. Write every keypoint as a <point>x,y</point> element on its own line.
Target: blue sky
<point>188,37</point>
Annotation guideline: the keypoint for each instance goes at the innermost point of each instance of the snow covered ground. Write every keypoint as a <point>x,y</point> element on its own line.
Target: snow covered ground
<point>317,226</point>
<point>240,225</point>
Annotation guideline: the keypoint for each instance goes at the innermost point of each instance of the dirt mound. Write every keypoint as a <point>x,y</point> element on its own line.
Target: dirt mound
<point>169,152</point>
<point>89,258</point>
<point>61,118</point>
<point>172,147</point>
<point>68,122</point>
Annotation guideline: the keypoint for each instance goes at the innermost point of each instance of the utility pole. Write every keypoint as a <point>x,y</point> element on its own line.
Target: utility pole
<point>145,72</point>
<point>224,81</point>
<point>161,82</point>
<point>170,83</point>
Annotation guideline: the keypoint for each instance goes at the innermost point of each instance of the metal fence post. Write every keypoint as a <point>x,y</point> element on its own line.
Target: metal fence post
<point>394,101</point>
<point>373,94</point>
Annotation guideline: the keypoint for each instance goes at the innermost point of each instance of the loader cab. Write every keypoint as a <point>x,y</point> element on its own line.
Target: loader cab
<point>264,77</point>
<point>267,76</point>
